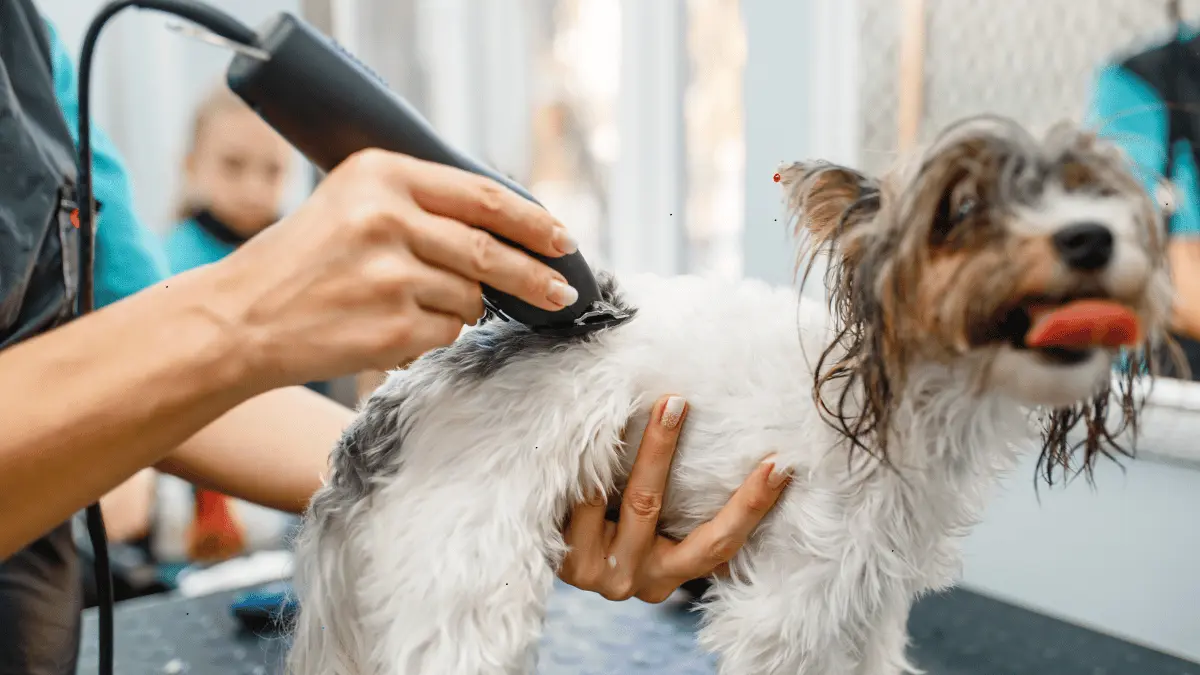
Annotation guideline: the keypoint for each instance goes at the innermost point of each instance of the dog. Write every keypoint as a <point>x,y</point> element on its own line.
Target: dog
<point>897,406</point>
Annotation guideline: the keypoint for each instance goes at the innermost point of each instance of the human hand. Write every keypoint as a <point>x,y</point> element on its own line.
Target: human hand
<point>378,267</point>
<point>629,559</point>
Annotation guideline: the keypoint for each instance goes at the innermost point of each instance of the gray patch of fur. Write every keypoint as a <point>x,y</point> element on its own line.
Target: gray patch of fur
<point>365,453</point>
<point>362,452</point>
<point>485,350</point>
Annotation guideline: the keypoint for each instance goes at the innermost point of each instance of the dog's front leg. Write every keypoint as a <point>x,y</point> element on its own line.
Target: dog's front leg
<point>885,644</point>
<point>780,624</point>
<point>462,586</point>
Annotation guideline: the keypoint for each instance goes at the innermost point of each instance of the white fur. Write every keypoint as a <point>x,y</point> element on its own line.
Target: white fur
<point>446,566</point>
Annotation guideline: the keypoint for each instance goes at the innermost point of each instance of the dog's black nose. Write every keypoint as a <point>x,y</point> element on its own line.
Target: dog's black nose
<point>1085,246</point>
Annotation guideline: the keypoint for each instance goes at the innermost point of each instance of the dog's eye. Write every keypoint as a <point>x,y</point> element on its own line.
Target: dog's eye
<point>953,211</point>
<point>967,206</point>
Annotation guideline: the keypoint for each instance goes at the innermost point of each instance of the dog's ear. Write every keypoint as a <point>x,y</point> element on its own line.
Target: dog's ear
<point>828,201</point>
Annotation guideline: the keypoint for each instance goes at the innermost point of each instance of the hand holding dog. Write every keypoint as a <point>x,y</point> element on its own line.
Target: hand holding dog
<point>382,263</point>
<point>630,559</point>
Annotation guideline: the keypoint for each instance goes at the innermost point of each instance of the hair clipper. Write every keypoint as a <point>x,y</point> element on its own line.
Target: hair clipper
<point>329,106</point>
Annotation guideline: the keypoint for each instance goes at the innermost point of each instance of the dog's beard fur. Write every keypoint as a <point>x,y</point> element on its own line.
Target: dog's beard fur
<point>433,545</point>
<point>923,262</point>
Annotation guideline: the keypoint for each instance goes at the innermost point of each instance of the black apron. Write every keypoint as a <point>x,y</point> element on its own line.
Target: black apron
<point>41,586</point>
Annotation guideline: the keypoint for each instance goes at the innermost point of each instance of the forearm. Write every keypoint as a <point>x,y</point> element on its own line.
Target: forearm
<point>1184,258</point>
<point>127,509</point>
<point>1186,321</point>
<point>91,403</point>
<point>272,450</point>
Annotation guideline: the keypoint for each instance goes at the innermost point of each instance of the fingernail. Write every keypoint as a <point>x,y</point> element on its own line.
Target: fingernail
<point>561,293</point>
<point>779,474</point>
<point>563,242</point>
<point>673,412</point>
<point>612,561</point>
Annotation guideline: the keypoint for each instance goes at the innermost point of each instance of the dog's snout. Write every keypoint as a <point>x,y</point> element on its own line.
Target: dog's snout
<point>1085,246</point>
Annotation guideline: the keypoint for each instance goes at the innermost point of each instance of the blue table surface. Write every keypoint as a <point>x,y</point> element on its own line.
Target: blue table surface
<point>955,633</point>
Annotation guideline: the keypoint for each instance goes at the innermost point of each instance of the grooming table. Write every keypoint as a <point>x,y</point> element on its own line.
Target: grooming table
<point>957,633</point>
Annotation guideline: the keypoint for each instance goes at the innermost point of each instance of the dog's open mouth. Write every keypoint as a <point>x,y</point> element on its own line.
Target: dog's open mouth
<point>1066,331</point>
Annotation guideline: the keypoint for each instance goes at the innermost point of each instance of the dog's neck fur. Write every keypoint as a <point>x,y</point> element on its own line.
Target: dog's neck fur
<point>950,445</point>
<point>944,422</point>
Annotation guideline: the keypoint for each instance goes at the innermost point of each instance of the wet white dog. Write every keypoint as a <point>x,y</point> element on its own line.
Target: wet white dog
<point>953,335</point>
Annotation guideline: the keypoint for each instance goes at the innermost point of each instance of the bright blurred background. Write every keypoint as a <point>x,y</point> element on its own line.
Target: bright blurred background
<point>653,127</point>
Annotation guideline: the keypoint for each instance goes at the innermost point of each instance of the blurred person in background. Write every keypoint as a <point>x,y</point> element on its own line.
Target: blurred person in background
<point>236,170</point>
<point>1148,103</point>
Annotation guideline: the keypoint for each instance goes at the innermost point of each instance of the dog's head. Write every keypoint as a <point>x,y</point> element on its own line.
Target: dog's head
<point>1031,264</point>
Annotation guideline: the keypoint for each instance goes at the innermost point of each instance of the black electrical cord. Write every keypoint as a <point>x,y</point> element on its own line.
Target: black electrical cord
<point>227,27</point>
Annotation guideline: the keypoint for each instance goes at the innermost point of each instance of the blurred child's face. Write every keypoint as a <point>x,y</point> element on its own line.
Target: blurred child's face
<point>239,169</point>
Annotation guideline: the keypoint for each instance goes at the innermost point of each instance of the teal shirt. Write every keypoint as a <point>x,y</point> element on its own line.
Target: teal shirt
<point>128,255</point>
<point>1125,109</point>
<point>188,245</point>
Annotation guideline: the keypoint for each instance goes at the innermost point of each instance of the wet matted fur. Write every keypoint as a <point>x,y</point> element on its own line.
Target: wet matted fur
<point>434,543</point>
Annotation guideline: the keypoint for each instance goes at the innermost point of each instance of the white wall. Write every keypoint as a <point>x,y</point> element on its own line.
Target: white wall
<point>647,180</point>
<point>802,65</point>
<point>778,123</point>
<point>479,67</point>
<point>146,83</point>
<point>1123,558</point>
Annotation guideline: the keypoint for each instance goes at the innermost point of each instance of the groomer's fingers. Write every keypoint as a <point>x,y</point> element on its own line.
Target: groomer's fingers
<point>714,543</point>
<point>483,202</point>
<point>441,291</point>
<point>586,536</point>
<point>642,500</point>
<point>585,528</point>
<point>475,254</point>
<point>429,330</point>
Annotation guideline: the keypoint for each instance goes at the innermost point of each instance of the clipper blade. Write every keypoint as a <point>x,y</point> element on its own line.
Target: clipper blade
<point>600,315</point>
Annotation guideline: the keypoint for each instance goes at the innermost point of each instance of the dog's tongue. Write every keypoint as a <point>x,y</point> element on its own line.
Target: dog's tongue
<point>1082,324</point>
